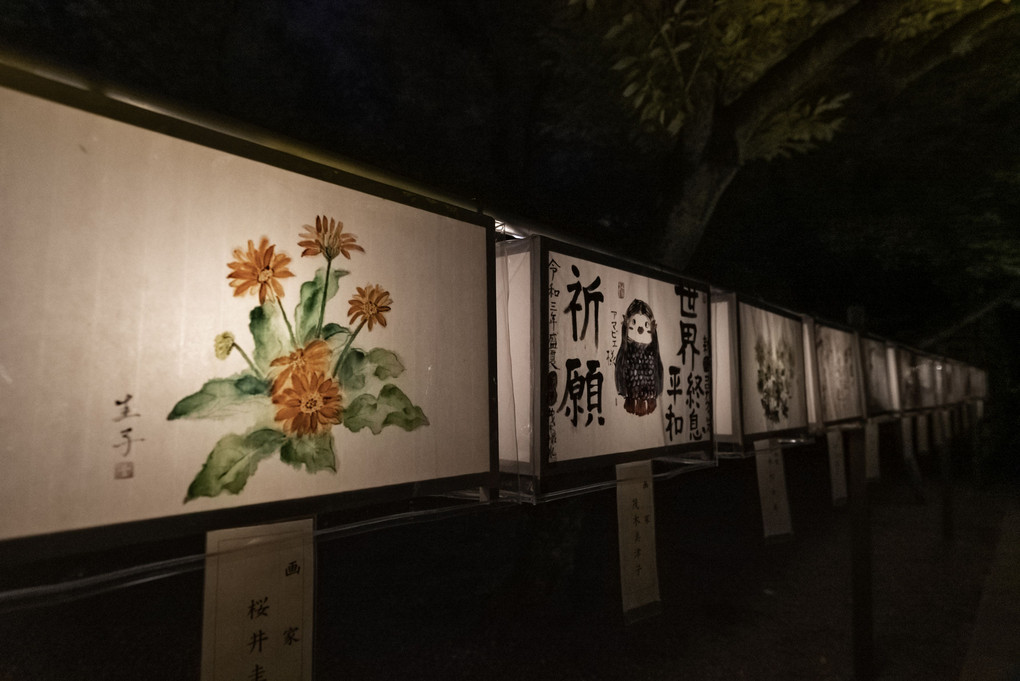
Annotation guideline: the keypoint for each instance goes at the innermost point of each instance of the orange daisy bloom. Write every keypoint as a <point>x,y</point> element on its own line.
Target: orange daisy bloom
<point>314,357</point>
<point>310,405</point>
<point>327,237</point>
<point>261,267</point>
<point>369,305</point>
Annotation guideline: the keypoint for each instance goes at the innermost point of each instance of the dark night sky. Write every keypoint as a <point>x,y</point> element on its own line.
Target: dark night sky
<point>510,106</point>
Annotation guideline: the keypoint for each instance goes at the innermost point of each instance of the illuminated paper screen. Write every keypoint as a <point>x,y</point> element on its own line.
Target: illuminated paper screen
<point>876,376</point>
<point>724,367</point>
<point>838,374</point>
<point>772,372</point>
<point>977,383</point>
<point>910,382</point>
<point>925,368</point>
<point>122,398</point>
<point>812,391</point>
<point>628,361</point>
<point>514,344</point>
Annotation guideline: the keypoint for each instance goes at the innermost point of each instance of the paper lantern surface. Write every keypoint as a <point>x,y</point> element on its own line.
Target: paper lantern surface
<point>168,346</point>
<point>773,396</point>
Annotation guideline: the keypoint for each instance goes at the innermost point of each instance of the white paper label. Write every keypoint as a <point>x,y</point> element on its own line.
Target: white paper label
<point>908,437</point>
<point>635,510</point>
<point>922,434</point>
<point>259,603</point>
<point>775,506</point>
<point>871,459</point>
<point>837,465</point>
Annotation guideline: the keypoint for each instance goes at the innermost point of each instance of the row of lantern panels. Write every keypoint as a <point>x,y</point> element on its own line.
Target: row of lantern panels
<point>599,357</point>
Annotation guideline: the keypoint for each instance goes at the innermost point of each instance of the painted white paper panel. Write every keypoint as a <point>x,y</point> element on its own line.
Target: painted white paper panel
<point>629,360</point>
<point>514,344</point>
<point>925,367</point>
<point>772,371</point>
<point>892,366</point>
<point>724,384</point>
<point>876,374</point>
<point>812,392</point>
<point>117,242</point>
<point>838,374</point>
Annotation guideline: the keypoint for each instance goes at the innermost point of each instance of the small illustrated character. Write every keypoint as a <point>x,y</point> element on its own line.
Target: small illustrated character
<point>638,364</point>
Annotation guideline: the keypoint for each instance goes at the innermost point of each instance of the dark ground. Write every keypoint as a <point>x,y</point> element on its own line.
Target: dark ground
<point>532,592</point>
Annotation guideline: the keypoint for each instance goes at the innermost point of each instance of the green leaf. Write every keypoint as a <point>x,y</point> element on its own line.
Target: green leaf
<point>222,397</point>
<point>232,461</point>
<point>359,365</point>
<point>263,324</point>
<point>306,314</point>
<point>331,329</point>
<point>315,453</point>
<point>387,364</point>
<point>391,408</point>
<point>354,369</point>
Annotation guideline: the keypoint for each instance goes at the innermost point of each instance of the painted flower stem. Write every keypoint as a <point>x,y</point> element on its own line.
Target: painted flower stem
<point>247,359</point>
<point>322,305</point>
<point>290,329</point>
<point>347,346</point>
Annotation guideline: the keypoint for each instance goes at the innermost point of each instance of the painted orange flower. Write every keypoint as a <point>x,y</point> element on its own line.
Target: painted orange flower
<point>312,358</point>
<point>369,305</point>
<point>260,267</point>
<point>310,405</point>
<point>327,237</point>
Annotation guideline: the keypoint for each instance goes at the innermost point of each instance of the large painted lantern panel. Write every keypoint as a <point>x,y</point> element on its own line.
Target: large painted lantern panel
<point>191,330</point>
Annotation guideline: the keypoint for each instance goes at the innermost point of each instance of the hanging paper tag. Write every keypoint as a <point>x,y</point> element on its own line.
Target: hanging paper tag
<point>837,466</point>
<point>908,437</point>
<point>635,512</point>
<point>871,459</point>
<point>775,506</point>
<point>923,446</point>
<point>259,603</point>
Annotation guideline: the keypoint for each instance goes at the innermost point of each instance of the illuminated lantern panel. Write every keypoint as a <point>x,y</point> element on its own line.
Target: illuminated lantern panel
<point>925,367</point>
<point>188,330</point>
<point>813,391</point>
<point>612,362</point>
<point>772,385</point>
<point>875,358</point>
<point>839,374</point>
<point>725,373</point>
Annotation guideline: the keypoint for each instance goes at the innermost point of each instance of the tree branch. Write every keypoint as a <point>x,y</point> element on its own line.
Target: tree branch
<point>955,41</point>
<point>784,82</point>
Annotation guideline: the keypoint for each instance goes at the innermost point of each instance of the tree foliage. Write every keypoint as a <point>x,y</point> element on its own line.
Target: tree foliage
<point>727,82</point>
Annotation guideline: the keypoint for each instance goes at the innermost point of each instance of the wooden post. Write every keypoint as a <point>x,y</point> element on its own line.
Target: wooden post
<point>860,557</point>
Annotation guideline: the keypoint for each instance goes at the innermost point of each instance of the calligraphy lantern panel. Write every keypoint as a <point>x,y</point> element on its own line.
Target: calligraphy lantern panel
<point>194,327</point>
<point>603,361</point>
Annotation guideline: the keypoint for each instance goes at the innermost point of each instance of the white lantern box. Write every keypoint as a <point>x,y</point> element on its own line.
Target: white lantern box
<point>600,362</point>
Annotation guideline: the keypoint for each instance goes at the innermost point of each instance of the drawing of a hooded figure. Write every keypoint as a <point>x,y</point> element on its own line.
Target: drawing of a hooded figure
<point>638,364</point>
